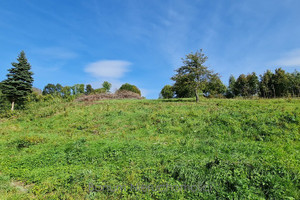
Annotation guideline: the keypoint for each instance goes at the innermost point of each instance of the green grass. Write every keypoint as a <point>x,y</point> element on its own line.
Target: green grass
<point>231,149</point>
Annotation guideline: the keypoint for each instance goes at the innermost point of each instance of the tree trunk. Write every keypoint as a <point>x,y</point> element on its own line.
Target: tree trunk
<point>197,95</point>
<point>274,92</point>
<point>12,105</point>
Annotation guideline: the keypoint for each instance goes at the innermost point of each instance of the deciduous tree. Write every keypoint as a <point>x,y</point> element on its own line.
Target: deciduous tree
<point>106,85</point>
<point>167,92</point>
<point>131,88</point>
<point>194,72</point>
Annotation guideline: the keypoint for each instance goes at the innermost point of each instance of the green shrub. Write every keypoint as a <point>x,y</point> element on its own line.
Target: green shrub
<point>167,92</point>
<point>131,88</point>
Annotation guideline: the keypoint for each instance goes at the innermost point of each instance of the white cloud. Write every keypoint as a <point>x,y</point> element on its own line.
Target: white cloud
<point>290,59</point>
<point>114,69</point>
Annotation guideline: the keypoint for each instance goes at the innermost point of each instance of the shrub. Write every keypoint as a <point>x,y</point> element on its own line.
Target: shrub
<point>99,91</point>
<point>167,92</point>
<point>131,88</point>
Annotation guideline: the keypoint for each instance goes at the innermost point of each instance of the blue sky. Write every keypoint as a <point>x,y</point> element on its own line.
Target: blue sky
<point>142,42</point>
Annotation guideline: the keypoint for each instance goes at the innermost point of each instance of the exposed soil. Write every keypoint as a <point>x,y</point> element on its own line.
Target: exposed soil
<point>120,94</point>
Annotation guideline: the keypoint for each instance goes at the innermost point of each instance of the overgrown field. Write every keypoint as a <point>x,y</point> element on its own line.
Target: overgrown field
<point>225,149</point>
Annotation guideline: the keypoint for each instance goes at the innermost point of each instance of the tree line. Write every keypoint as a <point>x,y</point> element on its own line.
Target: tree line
<point>17,89</point>
<point>77,89</point>
<point>194,79</point>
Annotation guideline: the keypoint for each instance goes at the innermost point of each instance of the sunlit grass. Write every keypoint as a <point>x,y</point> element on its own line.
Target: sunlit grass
<point>235,148</point>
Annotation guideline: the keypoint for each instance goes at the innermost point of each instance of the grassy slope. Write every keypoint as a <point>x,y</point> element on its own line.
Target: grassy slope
<point>232,148</point>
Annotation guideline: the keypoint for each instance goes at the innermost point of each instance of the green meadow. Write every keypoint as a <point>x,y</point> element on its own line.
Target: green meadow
<point>154,149</point>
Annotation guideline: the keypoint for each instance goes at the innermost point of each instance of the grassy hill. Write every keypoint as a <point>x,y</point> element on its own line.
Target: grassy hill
<point>152,149</point>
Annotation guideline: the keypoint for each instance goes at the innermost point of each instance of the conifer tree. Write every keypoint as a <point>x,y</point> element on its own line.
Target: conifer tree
<point>19,81</point>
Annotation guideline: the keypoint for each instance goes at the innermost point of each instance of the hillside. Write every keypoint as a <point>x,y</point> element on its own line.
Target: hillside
<point>154,149</point>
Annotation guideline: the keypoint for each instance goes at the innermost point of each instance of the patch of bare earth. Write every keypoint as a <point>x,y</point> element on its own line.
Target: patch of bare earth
<point>22,187</point>
<point>120,94</point>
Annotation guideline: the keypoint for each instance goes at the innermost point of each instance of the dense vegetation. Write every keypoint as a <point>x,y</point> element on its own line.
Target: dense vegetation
<point>52,147</point>
<point>230,149</point>
<point>194,78</point>
<point>129,87</point>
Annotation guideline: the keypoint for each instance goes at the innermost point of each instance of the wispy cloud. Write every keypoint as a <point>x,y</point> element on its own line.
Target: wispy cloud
<point>55,53</point>
<point>290,59</point>
<point>108,68</point>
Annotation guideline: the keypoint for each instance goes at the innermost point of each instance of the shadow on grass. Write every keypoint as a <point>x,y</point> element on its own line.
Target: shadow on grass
<point>178,100</point>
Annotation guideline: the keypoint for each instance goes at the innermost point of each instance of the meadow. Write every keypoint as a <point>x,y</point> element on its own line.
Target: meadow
<point>227,148</point>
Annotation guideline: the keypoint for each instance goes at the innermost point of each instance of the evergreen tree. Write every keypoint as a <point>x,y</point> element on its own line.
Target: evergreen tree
<point>19,81</point>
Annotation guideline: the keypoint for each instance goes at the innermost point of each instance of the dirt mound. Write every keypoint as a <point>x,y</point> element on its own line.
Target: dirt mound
<point>120,94</point>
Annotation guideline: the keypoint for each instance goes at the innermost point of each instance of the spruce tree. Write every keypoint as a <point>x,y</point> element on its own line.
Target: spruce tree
<point>19,81</point>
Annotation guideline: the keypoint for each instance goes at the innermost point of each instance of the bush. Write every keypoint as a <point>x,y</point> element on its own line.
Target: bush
<point>167,92</point>
<point>131,88</point>
<point>99,91</point>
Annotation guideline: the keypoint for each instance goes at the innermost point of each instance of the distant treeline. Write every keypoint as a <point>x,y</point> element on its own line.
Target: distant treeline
<point>268,85</point>
<point>79,89</point>
<point>193,78</point>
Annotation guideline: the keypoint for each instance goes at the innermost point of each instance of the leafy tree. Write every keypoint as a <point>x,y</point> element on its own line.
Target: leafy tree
<point>131,88</point>
<point>18,84</point>
<point>215,85</point>
<point>266,85</point>
<point>89,89</point>
<point>182,89</point>
<point>294,83</point>
<point>54,90</point>
<point>81,89</point>
<point>241,86</point>
<point>230,89</point>
<point>281,82</point>
<point>58,89</point>
<point>49,89</point>
<point>253,84</point>
<point>77,89</point>
<point>167,92</point>
<point>106,85</point>
<point>195,74</point>
<point>66,91</point>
